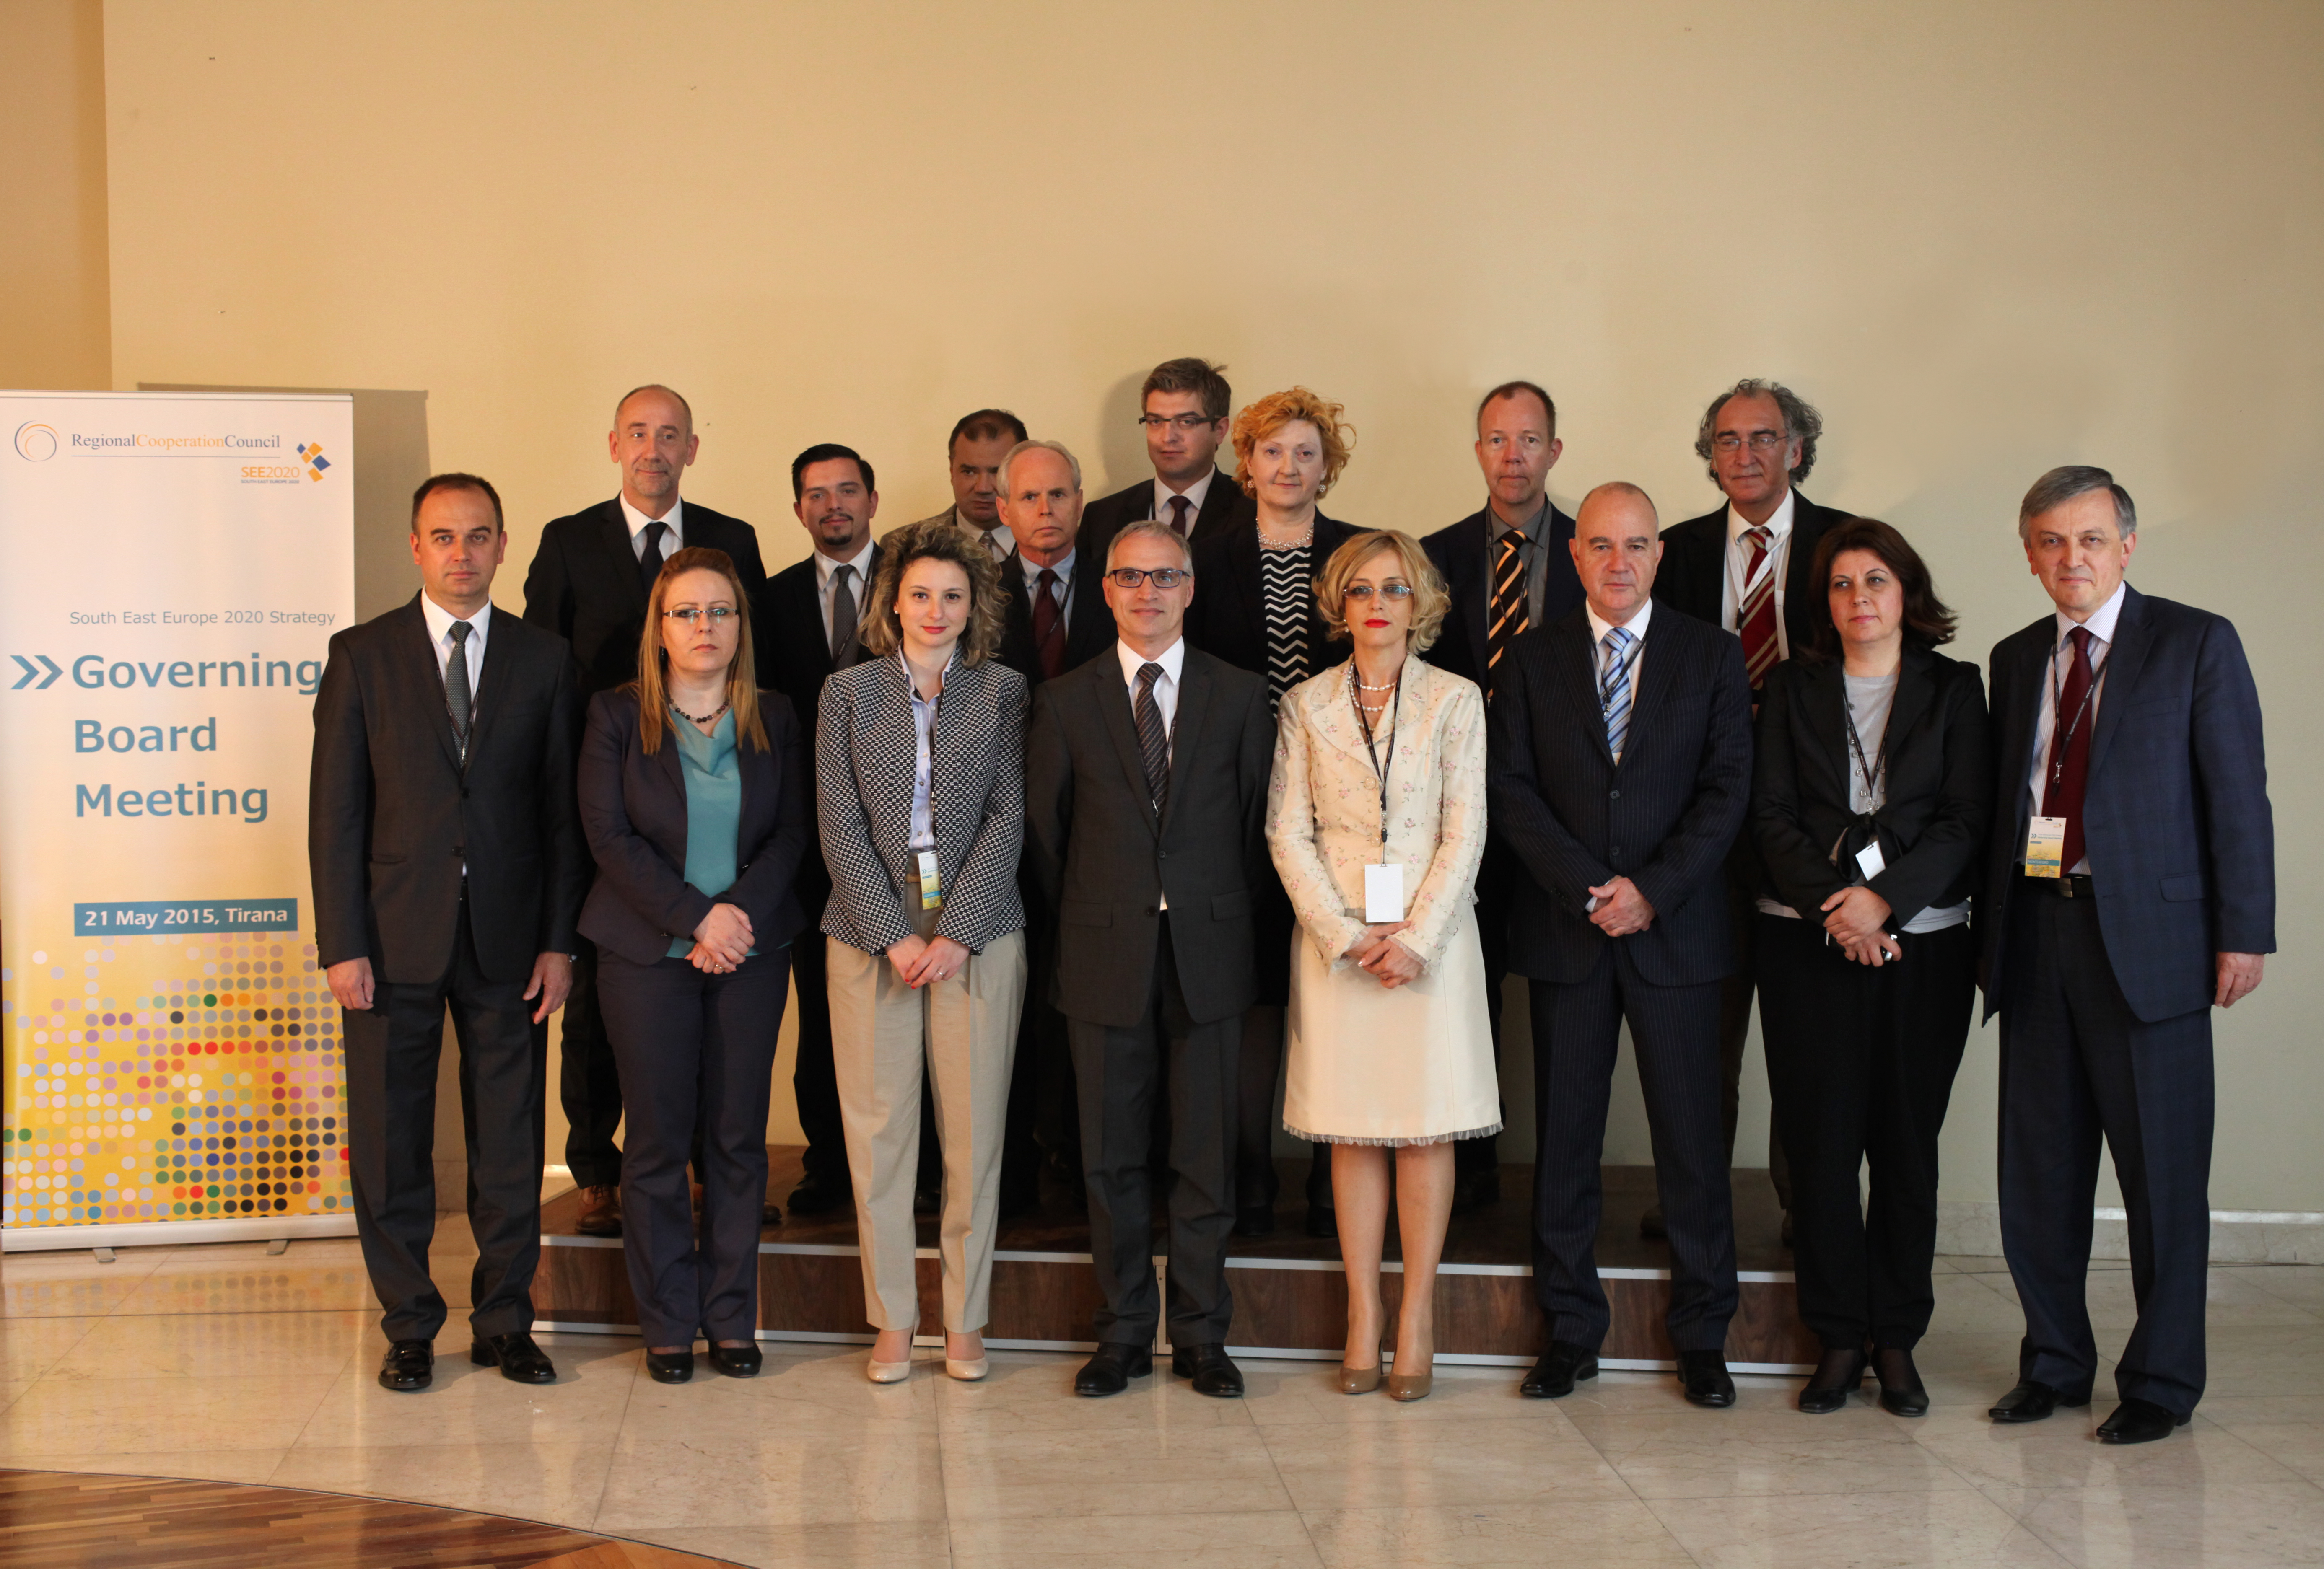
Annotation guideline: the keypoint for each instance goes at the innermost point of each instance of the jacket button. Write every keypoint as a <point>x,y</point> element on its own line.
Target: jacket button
<point>1613,795</point>
<point>459,849</point>
<point>1613,850</point>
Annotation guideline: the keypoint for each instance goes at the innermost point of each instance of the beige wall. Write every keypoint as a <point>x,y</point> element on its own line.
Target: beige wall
<point>53,306</point>
<point>1985,239</point>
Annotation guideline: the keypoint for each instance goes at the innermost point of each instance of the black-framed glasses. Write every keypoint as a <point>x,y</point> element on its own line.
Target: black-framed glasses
<point>1189,422</point>
<point>1361,593</point>
<point>692,615</point>
<point>1760,440</point>
<point>1164,577</point>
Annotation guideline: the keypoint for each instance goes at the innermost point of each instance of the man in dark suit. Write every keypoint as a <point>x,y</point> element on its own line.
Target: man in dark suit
<point>973,456</point>
<point>1620,770</point>
<point>1509,567</point>
<point>806,618</point>
<point>1145,795</point>
<point>2130,888</point>
<point>588,584</point>
<point>1745,568</point>
<point>448,869</point>
<point>1182,409</point>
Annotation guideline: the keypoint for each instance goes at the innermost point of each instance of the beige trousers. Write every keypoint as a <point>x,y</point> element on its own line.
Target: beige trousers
<point>958,1037</point>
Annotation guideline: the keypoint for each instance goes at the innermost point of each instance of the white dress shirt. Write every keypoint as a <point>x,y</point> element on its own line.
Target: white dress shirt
<point>1739,579</point>
<point>1637,626</point>
<point>1065,570</point>
<point>2101,626</point>
<point>440,633</point>
<point>674,520</point>
<point>1172,661</point>
<point>924,729</point>
<point>1195,493</point>
<point>827,570</point>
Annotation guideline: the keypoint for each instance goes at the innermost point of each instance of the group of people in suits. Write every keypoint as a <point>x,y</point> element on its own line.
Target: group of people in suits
<point>1118,816</point>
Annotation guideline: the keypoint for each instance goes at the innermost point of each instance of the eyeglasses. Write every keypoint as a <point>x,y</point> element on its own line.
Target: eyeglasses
<point>1761,440</point>
<point>1189,422</point>
<point>1164,577</point>
<point>1395,588</point>
<point>692,615</point>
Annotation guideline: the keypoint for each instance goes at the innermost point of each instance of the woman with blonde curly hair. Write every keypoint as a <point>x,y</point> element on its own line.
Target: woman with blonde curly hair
<point>920,787</point>
<point>1376,818</point>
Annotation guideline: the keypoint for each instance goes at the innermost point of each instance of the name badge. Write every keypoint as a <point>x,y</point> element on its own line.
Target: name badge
<point>2045,847</point>
<point>1384,893</point>
<point>931,882</point>
<point>1871,861</point>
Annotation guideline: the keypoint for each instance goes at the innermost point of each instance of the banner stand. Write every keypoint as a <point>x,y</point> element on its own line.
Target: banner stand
<point>164,1233</point>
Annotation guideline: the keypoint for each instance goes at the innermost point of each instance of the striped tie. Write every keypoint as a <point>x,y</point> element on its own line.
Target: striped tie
<point>1153,739</point>
<point>1614,690</point>
<point>1509,615</point>
<point>1754,619</point>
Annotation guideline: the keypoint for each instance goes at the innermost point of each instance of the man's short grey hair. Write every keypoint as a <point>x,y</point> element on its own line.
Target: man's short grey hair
<point>2062,485</point>
<point>1800,422</point>
<point>1149,529</point>
<point>1058,447</point>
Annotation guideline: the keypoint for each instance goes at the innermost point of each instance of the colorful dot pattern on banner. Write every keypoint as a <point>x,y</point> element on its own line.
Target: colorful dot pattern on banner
<point>159,1078</point>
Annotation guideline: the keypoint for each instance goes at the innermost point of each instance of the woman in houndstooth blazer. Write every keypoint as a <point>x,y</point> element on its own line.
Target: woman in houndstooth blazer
<point>920,780</point>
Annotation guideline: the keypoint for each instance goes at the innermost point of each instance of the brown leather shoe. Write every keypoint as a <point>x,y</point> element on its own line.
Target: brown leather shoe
<point>600,1212</point>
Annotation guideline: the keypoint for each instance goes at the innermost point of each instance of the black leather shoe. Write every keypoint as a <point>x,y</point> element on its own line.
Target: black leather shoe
<point>409,1365</point>
<point>769,1213</point>
<point>670,1367</point>
<point>1702,1374</point>
<point>928,1201</point>
<point>1209,1368</point>
<point>1474,1190</point>
<point>1840,1374</point>
<point>601,1211</point>
<point>1902,1393</point>
<point>1322,1221</point>
<point>2032,1401</point>
<point>736,1361</point>
<point>521,1362</point>
<point>1259,1220</point>
<point>819,1194</point>
<point>1553,1376</point>
<point>2137,1421</point>
<point>1651,1227</point>
<point>1109,1373</point>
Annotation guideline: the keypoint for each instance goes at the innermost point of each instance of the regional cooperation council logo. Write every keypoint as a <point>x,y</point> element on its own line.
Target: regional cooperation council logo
<point>312,452</point>
<point>36,443</point>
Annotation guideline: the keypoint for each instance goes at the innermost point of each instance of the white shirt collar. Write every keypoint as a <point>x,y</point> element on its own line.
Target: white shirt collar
<point>1172,659</point>
<point>1636,626</point>
<point>2102,619</point>
<point>675,517</point>
<point>861,561</point>
<point>1778,524</point>
<point>1195,493</point>
<point>439,621</point>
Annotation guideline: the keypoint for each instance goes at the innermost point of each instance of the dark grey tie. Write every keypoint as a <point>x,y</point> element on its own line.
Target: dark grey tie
<point>1153,739</point>
<point>842,614</point>
<point>649,560</point>
<point>458,695</point>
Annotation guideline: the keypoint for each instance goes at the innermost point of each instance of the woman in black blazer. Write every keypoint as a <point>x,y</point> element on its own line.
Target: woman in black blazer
<point>1870,799</point>
<point>692,798</point>
<point>1255,607</point>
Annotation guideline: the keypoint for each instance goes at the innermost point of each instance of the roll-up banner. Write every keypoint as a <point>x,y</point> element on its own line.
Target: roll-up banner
<point>175,564</point>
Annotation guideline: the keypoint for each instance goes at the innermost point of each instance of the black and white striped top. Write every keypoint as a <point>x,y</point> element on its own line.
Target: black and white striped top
<point>1289,591</point>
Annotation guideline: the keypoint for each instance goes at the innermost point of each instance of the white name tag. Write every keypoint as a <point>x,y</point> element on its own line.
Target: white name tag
<point>1383,893</point>
<point>1871,861</point>
<point>931,882</point>
<point>2045,847</point>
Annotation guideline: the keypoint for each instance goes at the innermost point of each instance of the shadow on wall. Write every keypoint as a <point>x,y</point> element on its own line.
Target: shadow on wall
<point>1122,443</point>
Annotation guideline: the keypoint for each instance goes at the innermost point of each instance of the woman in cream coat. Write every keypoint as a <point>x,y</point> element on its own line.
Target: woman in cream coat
<point>1380,761</point>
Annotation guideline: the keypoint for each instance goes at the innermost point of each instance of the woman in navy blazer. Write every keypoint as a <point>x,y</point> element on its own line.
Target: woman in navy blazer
<point>692,786</point>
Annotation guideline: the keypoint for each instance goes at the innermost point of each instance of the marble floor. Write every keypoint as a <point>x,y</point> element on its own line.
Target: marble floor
<point>223,1363</point>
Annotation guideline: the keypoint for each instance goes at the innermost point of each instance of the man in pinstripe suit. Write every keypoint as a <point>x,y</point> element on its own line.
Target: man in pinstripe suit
<point>1621,772</point>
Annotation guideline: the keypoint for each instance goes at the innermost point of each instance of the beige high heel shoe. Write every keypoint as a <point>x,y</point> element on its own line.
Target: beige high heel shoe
<point>888,1372</point>
<point>1404,1386</point>
<point>1359,1380</point>
<point>968,1370</point>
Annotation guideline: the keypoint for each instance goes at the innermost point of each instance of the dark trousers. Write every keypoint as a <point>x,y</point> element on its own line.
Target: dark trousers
<point>1735,994</point>
<point>391,1052</point>
<point>1259,1071</point>
<point>1862,1061</point>
<point>815,1082</point>
<point>2077,1066</point>
<point>588,1084</point>
<point>1675,1034</point>
<point>1495,882</point>
<point>1122,1072</point>
<point>696,1053</point>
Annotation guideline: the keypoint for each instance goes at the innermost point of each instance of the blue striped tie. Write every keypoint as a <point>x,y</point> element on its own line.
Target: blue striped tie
<point>1614,690</point>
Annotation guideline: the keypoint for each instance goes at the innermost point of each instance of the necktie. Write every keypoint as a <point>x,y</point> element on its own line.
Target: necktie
<point>650,564</point>
<point>1614,690</point>
<point>1755,618</point>
<point>1178,515</point>
<point>1509,615</point>
<point>1050,626</point>
<point>1153,740</point>
<point>2069,769</point>
<point>843,615</point>
<point>458,696</point>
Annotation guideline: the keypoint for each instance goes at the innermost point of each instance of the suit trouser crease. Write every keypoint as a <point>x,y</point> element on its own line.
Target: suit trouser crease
<point>588,1078</point>
<point>815,1082</point>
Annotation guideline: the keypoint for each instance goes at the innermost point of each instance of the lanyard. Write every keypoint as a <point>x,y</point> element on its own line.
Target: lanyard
<point>1869,769</point>
<point>1355,697</point>
<point>2061,739</point>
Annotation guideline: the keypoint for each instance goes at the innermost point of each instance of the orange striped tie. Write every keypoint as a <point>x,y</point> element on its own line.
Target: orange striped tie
<point>1509,616</point>
<point>1756,618</point>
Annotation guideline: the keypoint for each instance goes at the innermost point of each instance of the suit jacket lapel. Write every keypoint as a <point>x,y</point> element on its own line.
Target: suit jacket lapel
<point>418,652</point>
<point>621,559</point>
<point>1655,678</point>
<point>1475,544</point>
<point>1577,666</point>
<point>1825,697</point>
<point>2124,661</point>
<point>487,694</point>
<point>1186,731</point>
<point>1113,707</point>
<point>1917,689</point>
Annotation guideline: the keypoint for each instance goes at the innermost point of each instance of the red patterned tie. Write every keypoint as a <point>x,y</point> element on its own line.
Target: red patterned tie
<point>2062,795</point>
<point>1050,626</point>
<point>1755,617</point>
<point>1178,507</point>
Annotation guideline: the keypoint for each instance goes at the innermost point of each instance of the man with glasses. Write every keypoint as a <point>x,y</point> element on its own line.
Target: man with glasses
<point>1744,568</point>
<point>1182,409</point>
<point>972,462</point>
<point>1146,781</point>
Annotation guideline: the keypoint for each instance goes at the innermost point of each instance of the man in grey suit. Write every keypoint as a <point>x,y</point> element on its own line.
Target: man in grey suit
<point>1145,796</point>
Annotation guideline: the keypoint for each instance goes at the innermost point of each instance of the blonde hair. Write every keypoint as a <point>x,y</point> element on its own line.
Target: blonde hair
<point>652,685</point>
<point>1271,413</point>
<point>1430,601</point>
<point>882,634</point>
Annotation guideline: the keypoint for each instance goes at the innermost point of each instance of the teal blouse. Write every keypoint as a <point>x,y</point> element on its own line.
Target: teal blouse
<point>714,809</point>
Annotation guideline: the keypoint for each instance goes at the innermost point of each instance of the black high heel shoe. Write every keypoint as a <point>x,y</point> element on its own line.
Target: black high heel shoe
<point>736,1361</point>
<point>670,1367</point>
<point>1900,1391</point>
<point>1838,1376</point>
